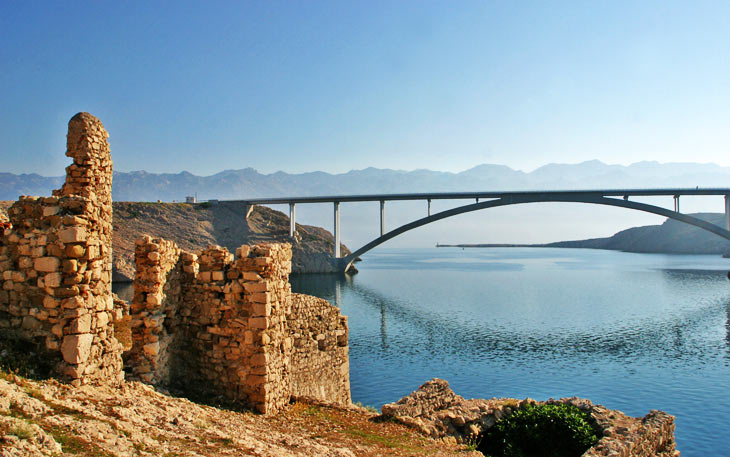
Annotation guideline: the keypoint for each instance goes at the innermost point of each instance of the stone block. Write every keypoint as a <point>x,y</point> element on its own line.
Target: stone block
<point>243,251</point>
<point>102,319</point>
<point>260,359</point>
<point>256,287</point>
<point>31,323</point>
<point>217,276</point>
<point>75,251</point>
<point>51,210</point>
<point>70,265</point>
<point>46,264</point>
<point>52,279</point>
<point>204,276</point>
<point>261,297</point>
<point>154,256</point>
<point>256,380</point>
<point>25,262</point>
<point>258,322</point>
<point>72,234</point>
<point>76,348</point>
<point>251,276</point>
<point>18,276</point>
<point>81,324</point>
<point>151,349</point>
<point>154,299</point>
<point>50,302</point>
<point>73,303</point>
<point>261,309</point>
<point>57,330</point>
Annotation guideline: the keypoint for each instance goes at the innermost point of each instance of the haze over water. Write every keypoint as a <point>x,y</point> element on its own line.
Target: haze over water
<point>633,332</point>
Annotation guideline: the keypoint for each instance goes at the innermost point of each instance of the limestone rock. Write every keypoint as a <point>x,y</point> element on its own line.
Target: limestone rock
<point>76,348</point>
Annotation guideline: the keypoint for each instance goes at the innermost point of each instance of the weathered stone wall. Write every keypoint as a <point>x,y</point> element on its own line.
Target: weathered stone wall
<point>55,260</point>
<point>215,325</point>
<point>210,322</point>
<point>320,361</point>
<point>157,297</point>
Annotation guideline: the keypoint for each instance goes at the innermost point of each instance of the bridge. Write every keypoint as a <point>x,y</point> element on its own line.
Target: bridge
<point>484,200</point>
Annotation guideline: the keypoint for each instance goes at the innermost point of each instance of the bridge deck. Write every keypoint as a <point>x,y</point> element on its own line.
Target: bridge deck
<point>492,194</point>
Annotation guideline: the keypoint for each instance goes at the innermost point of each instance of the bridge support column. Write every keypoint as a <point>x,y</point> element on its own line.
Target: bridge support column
<point>292,220</point>
<point>337,230</point>
<point>382,217</point>
<point>727,212</point>
<point>429,206</point>
<point>676,203</point>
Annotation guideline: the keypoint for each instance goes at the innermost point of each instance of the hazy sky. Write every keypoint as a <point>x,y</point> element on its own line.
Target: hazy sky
<point>337,85</point>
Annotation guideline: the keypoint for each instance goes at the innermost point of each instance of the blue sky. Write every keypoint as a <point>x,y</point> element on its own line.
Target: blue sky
<point>338,85</point>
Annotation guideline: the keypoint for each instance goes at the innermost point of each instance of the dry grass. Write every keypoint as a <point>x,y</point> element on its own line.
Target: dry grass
<point>364,432</point>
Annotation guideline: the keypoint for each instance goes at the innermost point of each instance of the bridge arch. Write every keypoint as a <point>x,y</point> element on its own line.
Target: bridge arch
<point>507,200</point>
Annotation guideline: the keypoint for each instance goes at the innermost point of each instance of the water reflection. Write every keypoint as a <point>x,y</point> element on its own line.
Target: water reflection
<point>727,328</point>
<point>634,332</point>
<point>424,330</point>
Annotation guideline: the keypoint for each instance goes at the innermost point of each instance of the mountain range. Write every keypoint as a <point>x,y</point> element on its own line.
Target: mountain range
<point>247,182</point>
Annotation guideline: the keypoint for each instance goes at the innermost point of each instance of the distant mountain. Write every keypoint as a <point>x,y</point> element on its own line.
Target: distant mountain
<point>240,184</point>
<point>671,237</point>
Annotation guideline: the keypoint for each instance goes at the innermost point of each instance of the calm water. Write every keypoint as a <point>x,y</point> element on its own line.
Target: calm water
<point>633,332</point>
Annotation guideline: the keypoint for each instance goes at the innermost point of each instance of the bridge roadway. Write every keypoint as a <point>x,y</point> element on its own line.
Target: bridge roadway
<point>504,198</point>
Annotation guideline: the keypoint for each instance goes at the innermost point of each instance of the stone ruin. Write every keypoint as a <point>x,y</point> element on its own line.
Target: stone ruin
<point>55,259</point>
<point>215,325</point>
<point>208,323</point>
<point>436,411</point>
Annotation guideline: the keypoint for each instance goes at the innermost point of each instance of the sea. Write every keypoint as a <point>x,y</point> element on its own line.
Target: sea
<point>632,332</point>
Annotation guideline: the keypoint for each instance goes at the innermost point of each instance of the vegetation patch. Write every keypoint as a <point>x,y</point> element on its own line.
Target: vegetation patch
<point>541,430</point>
<point>22,430</point>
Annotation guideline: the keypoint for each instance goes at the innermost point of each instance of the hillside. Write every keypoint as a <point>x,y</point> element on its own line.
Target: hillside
<point>47,418</point>
<point>671,237</point>
<point>194,227</point>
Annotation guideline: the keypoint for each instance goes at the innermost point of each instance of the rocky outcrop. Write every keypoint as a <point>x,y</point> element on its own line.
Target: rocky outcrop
<point>435,410</point>
<point>195,226</point>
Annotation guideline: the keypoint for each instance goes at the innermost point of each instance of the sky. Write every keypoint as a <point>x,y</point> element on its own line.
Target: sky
<point>298,86</point>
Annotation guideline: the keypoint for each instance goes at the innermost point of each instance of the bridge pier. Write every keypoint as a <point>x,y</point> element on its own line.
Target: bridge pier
<point>382,217</point>
<point>676,203</point>
<point>429,206</point>
<point>337,230</point>
<point>292,220</point>
<point>727,212</point>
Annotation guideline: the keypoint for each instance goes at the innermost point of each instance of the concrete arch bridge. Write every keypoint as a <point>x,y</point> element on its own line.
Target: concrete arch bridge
<point>483,200</point>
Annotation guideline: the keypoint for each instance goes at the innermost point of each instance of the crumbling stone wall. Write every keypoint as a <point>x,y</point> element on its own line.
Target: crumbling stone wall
<point>213,324</point>
<point>207,322</point>
<point>320,361</point>
<point>157,298</point>
<point>55,260</point>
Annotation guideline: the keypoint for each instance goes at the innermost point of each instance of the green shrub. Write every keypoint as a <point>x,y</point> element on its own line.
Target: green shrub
<point>540,430</point>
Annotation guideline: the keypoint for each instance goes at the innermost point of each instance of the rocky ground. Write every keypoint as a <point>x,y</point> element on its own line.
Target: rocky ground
<point>46,418</point>
<point>194,227</point>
